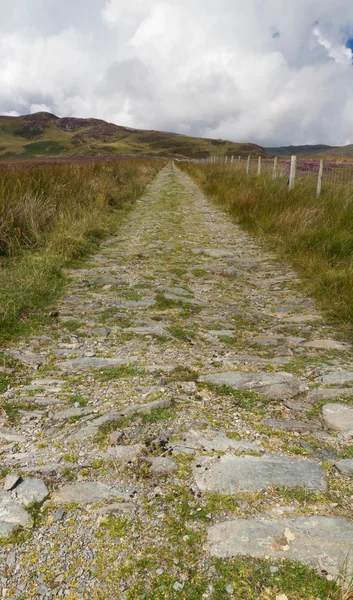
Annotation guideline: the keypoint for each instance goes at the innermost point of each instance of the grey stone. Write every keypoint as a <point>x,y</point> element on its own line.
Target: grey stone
<point>91,429</point>
<point>58,515</point>
<point>71,412</point>
<point>336,378</point>
<point>155,331</point>
<point>161,465</point>
<point>345,466</point>
<point>101,331</point>
<point>217,441</point>
<point>274,385</point>
<point>326,344</point>
<point>84,364</point>
<point>269,340</point>
<point>182,299</point>
<point>11,436</point>
<point>234,474</point>
<point>339,417</point>
<point>178,587</point>
<point>12,514</point>
<point>11,559</point>
<point>29,358</point>
<point>88,492</point>
<point>31,490</point>
<point>143,303</point>
<point>177,290</point>
<point>323,543</point>
<point>125,453</point>
<point>118,508</point>
<point>11,481</point>
<point>318,393</point>
<point>298,426</point>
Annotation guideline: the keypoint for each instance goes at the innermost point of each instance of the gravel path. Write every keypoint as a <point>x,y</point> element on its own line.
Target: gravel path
<point>189,406</point>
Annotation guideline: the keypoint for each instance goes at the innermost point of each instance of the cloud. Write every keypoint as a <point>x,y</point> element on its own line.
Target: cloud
<point>266,71</point>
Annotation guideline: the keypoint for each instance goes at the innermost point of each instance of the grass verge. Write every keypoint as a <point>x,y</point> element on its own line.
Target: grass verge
<point>50,215</point>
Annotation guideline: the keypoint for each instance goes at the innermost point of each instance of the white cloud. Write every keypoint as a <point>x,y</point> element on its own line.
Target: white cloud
<point>266,71</point>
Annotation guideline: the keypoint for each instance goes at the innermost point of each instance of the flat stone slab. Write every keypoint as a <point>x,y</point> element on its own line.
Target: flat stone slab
<point>322,543</point>
<point>88,493</point>
<point>273,385</point>
<point>345,467</point>
<point>336,378</point>
<point>162,465</point>
<point>11,436</point>
<point>91,429</point>
<point>215,441</point>
<point>326,344</point>
<point>339,417</point>
<point>12,514</point>
<point>298,426</point>
<point>11,480</point>
<point>84,364</point>
<point>62,415</point>
<point>117,508</point>
<point>235,474</point>
<point>30,490</point>
<point>125,453</point>
<point>155,331</point>
<point>29,358</point>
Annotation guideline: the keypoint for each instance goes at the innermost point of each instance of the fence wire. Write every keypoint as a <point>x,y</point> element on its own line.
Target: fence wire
<point>318,174</point>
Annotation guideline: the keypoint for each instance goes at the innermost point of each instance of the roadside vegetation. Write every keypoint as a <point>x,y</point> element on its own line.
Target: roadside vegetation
<point>314,234</point>
<point>50,215</point>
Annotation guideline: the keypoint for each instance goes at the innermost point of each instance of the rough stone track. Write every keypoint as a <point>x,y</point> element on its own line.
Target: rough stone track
<point>188,403</point>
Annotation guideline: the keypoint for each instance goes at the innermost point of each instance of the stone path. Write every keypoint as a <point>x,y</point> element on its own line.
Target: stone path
<point>188,404</point>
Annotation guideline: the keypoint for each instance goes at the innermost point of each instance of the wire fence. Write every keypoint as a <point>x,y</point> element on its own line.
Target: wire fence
<point>318,174</point>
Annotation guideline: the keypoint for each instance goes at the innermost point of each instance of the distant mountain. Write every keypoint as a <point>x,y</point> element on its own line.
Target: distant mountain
<point>298,150</point>
<point>44,134</point>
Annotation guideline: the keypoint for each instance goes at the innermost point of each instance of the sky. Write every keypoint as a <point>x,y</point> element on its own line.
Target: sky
<point>272,72</point>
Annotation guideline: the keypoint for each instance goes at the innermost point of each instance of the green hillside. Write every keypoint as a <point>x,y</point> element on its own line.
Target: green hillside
<point>319,151</point>
<point>44,134</point>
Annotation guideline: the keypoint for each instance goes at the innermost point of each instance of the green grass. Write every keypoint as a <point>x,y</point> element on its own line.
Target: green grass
<point>49,217</point>
<point>78,399</point>
<point>251,401</point>
<point>117,373</point>
<point>180,333</point>
<point>314,234</point>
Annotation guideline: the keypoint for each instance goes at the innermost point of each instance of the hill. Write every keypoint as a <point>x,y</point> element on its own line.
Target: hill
<point>43,134</point>
<point>319,151</point>
<point>307,150</point>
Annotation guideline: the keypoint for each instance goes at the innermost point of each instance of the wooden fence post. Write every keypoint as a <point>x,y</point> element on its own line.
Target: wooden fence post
<point>259,165</point>
<point>248,165</point>
<point>232,159</point>
<point>319,180</point>
<point>275,168</point>
<point>226,159</point>
<point>293,172</point>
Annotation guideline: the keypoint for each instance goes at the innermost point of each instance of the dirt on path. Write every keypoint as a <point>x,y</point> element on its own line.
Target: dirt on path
<point>188,408</point>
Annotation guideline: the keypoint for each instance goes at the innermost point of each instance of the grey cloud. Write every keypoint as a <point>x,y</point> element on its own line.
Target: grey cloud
<point>256,71</point>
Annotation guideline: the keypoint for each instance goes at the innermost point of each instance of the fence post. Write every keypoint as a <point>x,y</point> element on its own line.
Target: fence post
<point>319,180</point>
<point>232,159</point>
<point>226,160</point>
<point>248,165</point>
<point>293,172</point>
<point>259,165</point>
<point>275,168</point>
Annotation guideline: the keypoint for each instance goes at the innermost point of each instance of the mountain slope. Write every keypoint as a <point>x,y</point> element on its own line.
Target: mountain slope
<point>44,134</point>
<point>319,151</point>
<point>307,150</point>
